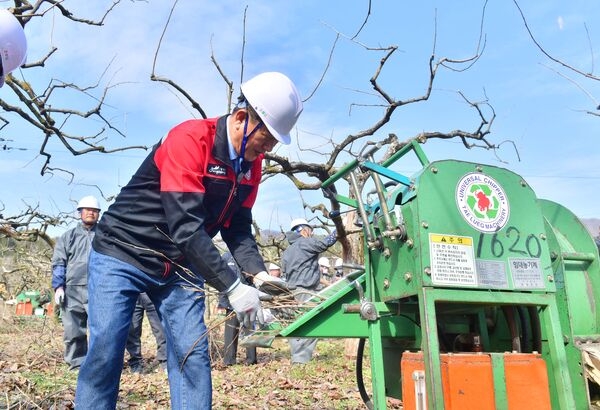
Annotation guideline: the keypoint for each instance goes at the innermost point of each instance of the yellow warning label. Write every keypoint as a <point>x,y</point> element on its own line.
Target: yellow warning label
<point>452,260</point>
<point>451,239</point>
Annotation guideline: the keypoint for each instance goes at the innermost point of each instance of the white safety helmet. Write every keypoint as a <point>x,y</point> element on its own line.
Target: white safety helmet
<point>88,202</point>
<point>13,44</point>
<point>272,266</point>
<point>323,261</point>
<point>338,262</point>
<point>277,102</point>
<point>298,222</point>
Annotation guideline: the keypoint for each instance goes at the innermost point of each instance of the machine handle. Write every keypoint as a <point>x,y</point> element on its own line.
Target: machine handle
<point>578,256</point>
<point>343,171</point>
<point>351,308</point>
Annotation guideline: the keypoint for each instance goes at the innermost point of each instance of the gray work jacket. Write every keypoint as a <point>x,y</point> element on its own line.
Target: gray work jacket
<point>72,250</point>
<point>299,262</point>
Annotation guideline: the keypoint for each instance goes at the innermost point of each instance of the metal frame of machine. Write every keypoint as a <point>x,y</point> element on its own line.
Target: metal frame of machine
<point>463,261</point>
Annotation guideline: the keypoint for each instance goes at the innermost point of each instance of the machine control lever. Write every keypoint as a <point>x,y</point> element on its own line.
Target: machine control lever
<point>367,309</point>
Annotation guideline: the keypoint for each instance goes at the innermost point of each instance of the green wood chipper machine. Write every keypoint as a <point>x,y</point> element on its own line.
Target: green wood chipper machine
<point>474,294</point>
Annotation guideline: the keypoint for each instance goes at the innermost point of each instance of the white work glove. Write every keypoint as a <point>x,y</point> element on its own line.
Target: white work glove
<point>59,296</point>
<point>262,277</point>
<point>245,302</point>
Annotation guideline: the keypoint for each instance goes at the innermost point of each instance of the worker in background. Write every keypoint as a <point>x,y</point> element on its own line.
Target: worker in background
<point>324,269</point>
<point>338,268</point>
<point>13,44</point>
<point>300,266</point>
<point>134,339</point>
<point>198,181</point>
<point>232,330</point>
<point>274,270</point>
<point>69,280</point>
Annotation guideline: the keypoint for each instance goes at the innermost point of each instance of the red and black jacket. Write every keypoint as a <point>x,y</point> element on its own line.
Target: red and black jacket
<point>182,195</point>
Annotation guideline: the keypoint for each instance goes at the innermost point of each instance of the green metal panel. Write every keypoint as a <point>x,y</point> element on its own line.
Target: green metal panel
<point>462,249</point>
<point>557,366</point>
<point>32,295</point>
<point>327,318</point>
<point>499,380</point>
<point>498,247</point>
<point>392,349</point>
<point>577,274</point>
<point>577,255</point>
<point>509,253</point>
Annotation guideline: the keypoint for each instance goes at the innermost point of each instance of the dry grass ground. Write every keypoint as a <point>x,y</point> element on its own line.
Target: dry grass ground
<point>33,375</point>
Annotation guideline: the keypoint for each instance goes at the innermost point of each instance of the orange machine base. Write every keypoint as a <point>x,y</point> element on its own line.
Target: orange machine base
<point>24,309</point>
<point>468,381</point>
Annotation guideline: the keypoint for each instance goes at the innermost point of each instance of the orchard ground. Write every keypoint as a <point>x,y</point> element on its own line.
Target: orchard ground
<point>33,374</point>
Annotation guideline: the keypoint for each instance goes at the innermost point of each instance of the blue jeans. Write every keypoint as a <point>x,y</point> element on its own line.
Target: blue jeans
<point>134,338</point>
<point>113,288</point>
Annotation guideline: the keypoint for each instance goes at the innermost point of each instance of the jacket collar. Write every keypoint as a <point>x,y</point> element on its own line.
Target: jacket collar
<point>292,236</point>
<point>221,146</point>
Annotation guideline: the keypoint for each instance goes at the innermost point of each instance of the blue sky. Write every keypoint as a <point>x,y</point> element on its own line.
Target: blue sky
<point>539,106</point>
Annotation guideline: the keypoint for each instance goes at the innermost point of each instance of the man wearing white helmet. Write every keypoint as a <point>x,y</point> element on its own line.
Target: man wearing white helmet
<point>69,280</point>
<point>13,44</point>
<point>324,269</point>
<point>339,268</point>
<point>274,270</point>
<point>200,180</point>
<point>300,266</point>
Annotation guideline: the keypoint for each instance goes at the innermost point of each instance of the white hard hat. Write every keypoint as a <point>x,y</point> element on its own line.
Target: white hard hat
<point>275,99</point>
<point>88,202</point>
<point>297,222</point>
<point>323,261</point>
<point>272,266</point>
<point>338,262</point>
<point>13,44</point>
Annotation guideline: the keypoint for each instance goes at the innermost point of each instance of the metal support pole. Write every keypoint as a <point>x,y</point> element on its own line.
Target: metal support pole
<point>382,199</point>
<point>370,235</point>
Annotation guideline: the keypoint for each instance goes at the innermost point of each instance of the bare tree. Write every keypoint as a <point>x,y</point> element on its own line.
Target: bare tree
<point>23,266</point>
<point>308,176</point>
<point>580,73</point>
<point>42,110</point>
<point>26,249</point>
<point>36,107</point>
<point>39,107</point>
<point>30,225</point>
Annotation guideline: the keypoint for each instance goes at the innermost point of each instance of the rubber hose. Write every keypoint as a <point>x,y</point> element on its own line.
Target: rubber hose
<point>359,374</point>
<point>525,337</point>
<point>536,328</point>
<point>509,313</point>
